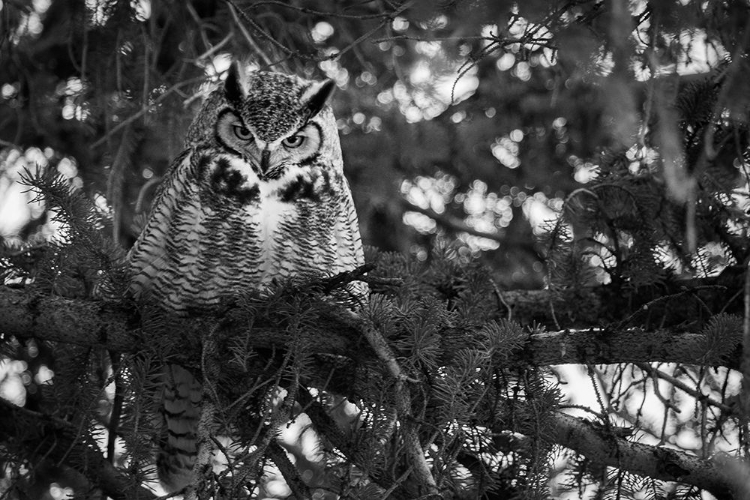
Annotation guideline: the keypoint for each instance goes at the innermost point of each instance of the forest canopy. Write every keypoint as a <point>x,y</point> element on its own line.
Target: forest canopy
<point>554,196</point>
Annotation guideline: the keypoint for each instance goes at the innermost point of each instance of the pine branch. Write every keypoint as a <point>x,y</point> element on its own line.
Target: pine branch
<point>403,404</point>
<point>597,346</point>
<point>89,323</point>
<point>695,393</point>
<point>718,474</point>
<point>290,473</point>
<point>59,442</point>
<point>325,425</point>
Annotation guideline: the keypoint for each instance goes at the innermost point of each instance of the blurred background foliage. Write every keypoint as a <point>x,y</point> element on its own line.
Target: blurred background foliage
<point>466,122</point>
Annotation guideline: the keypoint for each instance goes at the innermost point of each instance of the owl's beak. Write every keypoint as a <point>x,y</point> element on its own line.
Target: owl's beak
<point>264,160</point>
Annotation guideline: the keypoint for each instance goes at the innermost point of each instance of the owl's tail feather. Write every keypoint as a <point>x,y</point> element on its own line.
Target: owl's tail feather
<point>181,409</point>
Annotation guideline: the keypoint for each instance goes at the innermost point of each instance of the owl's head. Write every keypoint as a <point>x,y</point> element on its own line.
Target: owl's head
<point>270,120</point>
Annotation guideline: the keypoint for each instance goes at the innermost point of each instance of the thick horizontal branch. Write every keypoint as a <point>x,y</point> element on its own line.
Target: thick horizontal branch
<point>595,346</point>
<point>27,315</point>
<point>718,474</point>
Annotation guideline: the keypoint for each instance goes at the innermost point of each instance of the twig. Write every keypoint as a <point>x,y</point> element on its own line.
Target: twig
<point>199,22</point>
<point>698,395</point>
<point>115,181</point>
<point>246,34</point>
<point>450,222</point>
<point>655,376</point>
<point>745,365</point>
<point>501,299</point>
<point>692,291</point>
<point>306,10</point>
<point>365,36</point>
<point>334,282</point>
<point>117,402</point>
<point>709,152</point>
<point>142,192</point>
<point>552,308</point>
<point>144,110</point>
<point>403,405</point>
<point>146,72</point>
<point>397,483</point>
<point>265,35</point>
<point>215,47</point>
<point>386,18</point>
<point>383,351</point>
<point>288,470</point>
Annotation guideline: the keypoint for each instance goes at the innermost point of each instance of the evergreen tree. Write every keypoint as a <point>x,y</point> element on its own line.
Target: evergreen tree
<point>624,124</point>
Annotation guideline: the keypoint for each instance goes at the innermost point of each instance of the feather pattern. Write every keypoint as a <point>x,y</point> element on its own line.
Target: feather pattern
<point>274,205</point>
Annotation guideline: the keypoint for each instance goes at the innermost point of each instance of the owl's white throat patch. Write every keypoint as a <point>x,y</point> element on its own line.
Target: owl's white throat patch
<point>268,216</point>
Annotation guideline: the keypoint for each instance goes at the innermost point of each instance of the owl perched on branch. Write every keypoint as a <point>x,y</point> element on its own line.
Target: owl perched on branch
<point>258,195</point>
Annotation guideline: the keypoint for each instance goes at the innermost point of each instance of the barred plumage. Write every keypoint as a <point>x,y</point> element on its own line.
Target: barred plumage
<point>259,194</point>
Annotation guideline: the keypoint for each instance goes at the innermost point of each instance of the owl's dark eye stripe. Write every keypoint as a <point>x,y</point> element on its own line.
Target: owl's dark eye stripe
<point>310,160</point>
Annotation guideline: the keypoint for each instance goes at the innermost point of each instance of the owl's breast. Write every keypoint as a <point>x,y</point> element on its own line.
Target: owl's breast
<point>298,217</point>
<point>236,233</point>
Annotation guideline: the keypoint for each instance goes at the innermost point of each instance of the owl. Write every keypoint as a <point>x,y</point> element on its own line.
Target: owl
<point>258,195</point>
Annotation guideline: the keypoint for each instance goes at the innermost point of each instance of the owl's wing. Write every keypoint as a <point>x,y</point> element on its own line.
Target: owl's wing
<point>150,267</point>
<point>149,254</point>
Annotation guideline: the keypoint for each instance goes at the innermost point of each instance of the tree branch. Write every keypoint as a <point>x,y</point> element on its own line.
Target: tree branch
<point>596,346</point>
<point>452,222</point>
<point>90,323</point>
<point>290,473</point>
<point>27,315</point>
<point>718,474</point>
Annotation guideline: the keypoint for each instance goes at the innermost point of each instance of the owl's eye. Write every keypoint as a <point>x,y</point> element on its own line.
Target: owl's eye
<point>242,133</point>
<point>294,141</point>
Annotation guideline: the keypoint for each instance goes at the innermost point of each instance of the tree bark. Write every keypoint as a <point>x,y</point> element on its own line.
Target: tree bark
<point>719,474</point>
<point>27,315</point>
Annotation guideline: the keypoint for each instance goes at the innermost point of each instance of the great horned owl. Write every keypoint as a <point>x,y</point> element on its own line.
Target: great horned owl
<point>258,194</point>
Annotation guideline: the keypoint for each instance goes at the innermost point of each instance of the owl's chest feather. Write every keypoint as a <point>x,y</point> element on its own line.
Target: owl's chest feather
<point>204,244</point>
<point>275,224</point>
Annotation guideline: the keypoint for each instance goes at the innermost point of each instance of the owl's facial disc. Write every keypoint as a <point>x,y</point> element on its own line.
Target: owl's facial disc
<point>299,147</point>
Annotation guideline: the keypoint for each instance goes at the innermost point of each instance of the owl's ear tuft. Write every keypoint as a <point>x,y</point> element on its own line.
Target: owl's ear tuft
<point>316,96</point>
<point>234,86</point>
